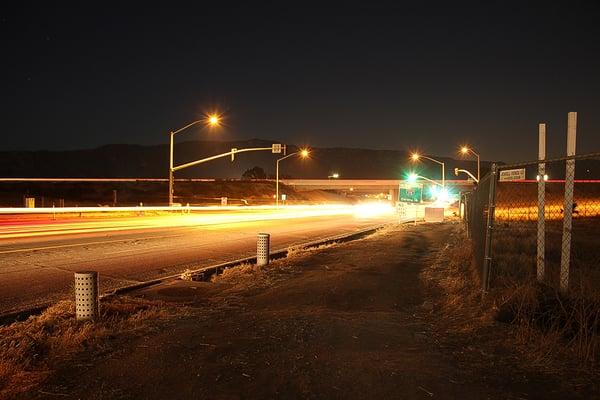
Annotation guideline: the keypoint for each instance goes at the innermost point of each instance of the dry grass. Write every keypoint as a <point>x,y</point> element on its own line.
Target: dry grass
<point>552,324</point>
<point>261,275</point>
<point>298,251</point>
<point>31,350</point>
<point>246,275</point>
<point>187,275</point>
<point>547,321</point>
<point>549,329</point>
<point>454,275</point>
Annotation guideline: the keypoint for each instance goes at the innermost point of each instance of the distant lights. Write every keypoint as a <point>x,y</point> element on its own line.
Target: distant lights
<point>443,195</point>
<point>537,178</point>
<point>434,191</point>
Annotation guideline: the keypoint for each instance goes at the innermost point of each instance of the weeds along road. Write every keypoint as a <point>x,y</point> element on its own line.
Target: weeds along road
<point>37,260</point>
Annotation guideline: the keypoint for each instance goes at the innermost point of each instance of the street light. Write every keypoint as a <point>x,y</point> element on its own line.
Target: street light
<point>304,153</point>
<point>212,120</point>
<point>417,156</point>
<point>335,175</point>
<point>466,150</point>
<point>413,178</point>
<point>457,170</point>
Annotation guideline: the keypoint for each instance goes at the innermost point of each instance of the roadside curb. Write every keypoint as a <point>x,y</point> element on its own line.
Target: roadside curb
<point>202,273</point>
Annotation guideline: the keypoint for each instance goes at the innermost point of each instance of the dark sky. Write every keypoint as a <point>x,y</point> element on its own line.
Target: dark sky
<point>428,76</point>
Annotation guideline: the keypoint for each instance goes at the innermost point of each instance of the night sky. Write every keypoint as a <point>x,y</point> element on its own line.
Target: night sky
<point>429,77</point>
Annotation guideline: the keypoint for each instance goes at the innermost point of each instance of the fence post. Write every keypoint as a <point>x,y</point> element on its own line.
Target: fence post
<point>487,257</point>
<point>541,223</point>
<point>568,207</point>
<point>468,213</point>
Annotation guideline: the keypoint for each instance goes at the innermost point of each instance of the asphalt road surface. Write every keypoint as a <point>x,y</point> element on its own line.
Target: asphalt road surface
<point>38,257</point>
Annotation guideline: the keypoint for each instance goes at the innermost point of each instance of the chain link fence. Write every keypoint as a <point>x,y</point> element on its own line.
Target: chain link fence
<point>541,221</point>
<point>475,216</point>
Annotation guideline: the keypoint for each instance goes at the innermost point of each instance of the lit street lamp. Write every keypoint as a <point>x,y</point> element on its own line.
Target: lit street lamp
<point>417,156</point>
<point>304,153</point>
<point>413,178</point>
<point>211,120</point>
<point>466,150</point>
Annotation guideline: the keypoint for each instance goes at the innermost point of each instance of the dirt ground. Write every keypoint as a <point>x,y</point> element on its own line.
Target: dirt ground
<point>350,321</point>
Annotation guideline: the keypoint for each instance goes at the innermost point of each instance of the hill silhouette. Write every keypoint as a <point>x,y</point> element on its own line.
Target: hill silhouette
<point>136,161</point>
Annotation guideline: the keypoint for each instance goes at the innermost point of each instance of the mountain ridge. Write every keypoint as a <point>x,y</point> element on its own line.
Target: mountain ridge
<point>120,160</point>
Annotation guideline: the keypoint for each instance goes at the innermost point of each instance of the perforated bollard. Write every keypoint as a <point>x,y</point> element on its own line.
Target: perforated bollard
<point>86,295</point>
<point>262,249</point>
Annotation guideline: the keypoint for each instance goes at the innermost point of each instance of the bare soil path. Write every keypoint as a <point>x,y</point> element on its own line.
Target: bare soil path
<point>344,322</point>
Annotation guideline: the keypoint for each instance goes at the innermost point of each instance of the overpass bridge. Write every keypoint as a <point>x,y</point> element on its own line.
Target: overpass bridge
<point>298,184</point>
<point>370,185</point>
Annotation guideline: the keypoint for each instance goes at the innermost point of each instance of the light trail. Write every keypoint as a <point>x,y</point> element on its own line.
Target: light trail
<point>225,217</point>
<point>178,209</point>
<point>66,246</point>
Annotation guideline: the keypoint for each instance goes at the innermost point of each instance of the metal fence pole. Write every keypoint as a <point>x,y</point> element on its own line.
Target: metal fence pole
<point>568,207</point>
<point>487,257</point>
<point>468,213</point>
<point>541,223</point>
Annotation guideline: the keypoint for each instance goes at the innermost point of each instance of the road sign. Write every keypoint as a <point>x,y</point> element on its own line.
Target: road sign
<point>411,194</point>
<point>233,154</point>
<point>276,148</point>
<point>512,175</point>
<point>402,209</point>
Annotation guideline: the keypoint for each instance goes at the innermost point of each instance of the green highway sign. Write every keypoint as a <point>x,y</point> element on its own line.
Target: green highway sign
<point>411,194</point>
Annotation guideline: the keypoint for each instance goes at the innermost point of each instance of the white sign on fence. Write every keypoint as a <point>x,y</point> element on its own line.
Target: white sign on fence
<point>512,175</point>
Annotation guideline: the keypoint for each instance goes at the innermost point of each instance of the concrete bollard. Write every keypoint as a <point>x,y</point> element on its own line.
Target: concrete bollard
<point>86,295</point>
<point>262,249</point>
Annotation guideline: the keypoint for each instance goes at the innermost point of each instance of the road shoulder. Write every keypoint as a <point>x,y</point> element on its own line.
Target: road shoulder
<point>355,320</point>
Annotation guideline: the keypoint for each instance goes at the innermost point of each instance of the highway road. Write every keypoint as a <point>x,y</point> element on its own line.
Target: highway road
<point>38,256</point>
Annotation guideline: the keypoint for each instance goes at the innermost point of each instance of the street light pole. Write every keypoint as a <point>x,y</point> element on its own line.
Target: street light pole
<point>304,153</point>
<point>457,170</point>
<point>210,120</point>
<point>466,150</point>
<point>414,178</point>
<point>416,156</point>
<point>171,170</point>
<point>478,166</point>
